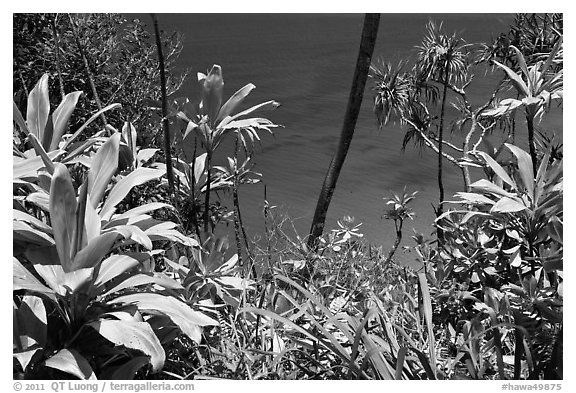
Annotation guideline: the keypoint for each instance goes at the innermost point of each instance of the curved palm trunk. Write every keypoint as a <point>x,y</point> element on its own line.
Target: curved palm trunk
<point>367,43</point>
<point>440,210</point>
<point>440,148</point>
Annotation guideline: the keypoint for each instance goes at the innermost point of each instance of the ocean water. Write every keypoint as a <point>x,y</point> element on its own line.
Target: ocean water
<point>306,62</point>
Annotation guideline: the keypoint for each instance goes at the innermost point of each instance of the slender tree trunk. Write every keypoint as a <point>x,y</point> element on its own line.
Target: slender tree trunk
<point>207,198</point>
<point>441,146</point>
<point>396,242</point>
<point>237,204</point>
<point>466,149</point>
<point>87,68</point>
<point>367,43</point>
<point>531,143</point>
<point>166,123</point>
<point>57,47</point>
<point>440,210</point>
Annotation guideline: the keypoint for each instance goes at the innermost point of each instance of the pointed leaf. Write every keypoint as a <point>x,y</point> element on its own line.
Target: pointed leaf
<point>19,119</point>
<point>94,251</point>
<point>23,279</point>
<point>88,122</point>
<point>63,213</point>
<point>61,116</point>
<point>234,101</point>
<point>133,335</point>
<point>122,188</point>
<point>525,168</point>
<point>144,279</point>
<point>268,105</point>
<point>104,165</point>
<point>521,61</point>
<point>188,320</point>
<point>489,187</point>
<point>38,108</point>
<point>132,232</point>
<point>32,321</point>
<point>41,152</point>
<point>71,362</point>
<point>145,155</point>
<point>507,205</point>
<point>28,167</point>
<point>114,266</point>
<point>516,80</point>
<point>139,210</point>
<point>497,169</point>
<point>24,357</point>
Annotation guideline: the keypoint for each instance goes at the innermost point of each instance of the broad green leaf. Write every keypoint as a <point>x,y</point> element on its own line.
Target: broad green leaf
<point>470,197</point>
<point>427,308</point>
<point>23,279</point>
<point>132,232</point>
<point>61,116</point>
<point>133,335</point>
<point>114,266</point>
<point>79,236</point>
<point>497,169</point>
<point>188,320</point>
<point>147,208</point>
<point>129,135</point>
<point>70,361</point>
<point>104,165</point>
<point>145,155</point>
<point>25,233</point>
<point>171,235</point>
<point>38,108</point>
<point>19,119</point>
<point>28,167</point>
<point>525,168</point>
<point>46,263</point>
<point>489,187</point>
<point>25,357</point>
<point>268,105</point>
<point>144,279</point>
<point>32,321</point>
<point>137,177</point>
<point>521,61</point>
<point>507,205</point>
<point>94,251</point>
<point>234,101</point>
<point>63,213</point>
<point>41,152</point>
<point>88,122</point>
<point>92,223</point>
<point>41,199</point>
<point>516,80</point>
<point>48,131</point>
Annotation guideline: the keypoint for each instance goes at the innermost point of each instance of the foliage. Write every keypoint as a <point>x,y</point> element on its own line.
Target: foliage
<point>121,57</point>
<point>80,274</point>
<point>211,121</point>
<point>111,277</point>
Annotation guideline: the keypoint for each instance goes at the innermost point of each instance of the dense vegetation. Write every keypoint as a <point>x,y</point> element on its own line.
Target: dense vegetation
<point>118,275</point>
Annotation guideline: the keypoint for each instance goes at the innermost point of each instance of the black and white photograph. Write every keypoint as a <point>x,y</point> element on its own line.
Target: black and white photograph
<point>287,196</point>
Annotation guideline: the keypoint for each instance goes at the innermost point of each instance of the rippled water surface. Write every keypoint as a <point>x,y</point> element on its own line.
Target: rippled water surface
<point>306,62</point>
